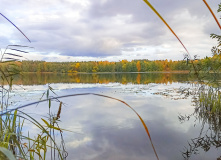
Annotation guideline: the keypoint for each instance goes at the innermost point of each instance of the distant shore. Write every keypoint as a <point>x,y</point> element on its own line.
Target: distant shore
<point>183,71</point>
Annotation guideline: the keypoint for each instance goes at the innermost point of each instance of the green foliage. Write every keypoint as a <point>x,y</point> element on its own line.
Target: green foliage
<point>97,66</point>
<point>11,136</point>
<point>218,37</point>
<point>219,8</point>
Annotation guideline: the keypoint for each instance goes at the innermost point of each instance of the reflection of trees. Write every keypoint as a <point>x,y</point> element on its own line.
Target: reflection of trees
<point>206,142</point>
<point>138,78</point>
<point>123,78</point>
<point>208,111</point>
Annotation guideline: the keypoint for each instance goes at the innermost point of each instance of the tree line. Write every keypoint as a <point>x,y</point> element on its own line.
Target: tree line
<point>106,66</point>
<point>98,66</point>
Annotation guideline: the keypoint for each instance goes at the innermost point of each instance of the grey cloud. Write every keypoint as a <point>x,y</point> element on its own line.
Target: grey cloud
<point>138,10</point>
<point>97,32</point>
<point>208,29</point>
<point>131,44</point>
<point>142,13</point>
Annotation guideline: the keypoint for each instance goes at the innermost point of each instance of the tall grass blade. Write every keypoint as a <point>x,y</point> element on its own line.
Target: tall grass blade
<point>59,111</point>
<point>7,153</point>
<point>212,13</point>
<point>83,94</point>
<point>12,54</point>
<point>142,121</point>
<point>18,145</point>
<point>16,45</point>
<point>14,120</point>
<point>36,123</point>
<point>155,11</point>
<point>15,27</point>
<point>18,50</point>
<point>50,125</point>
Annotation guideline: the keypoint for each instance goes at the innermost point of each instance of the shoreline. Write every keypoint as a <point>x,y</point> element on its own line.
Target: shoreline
<point>184,72</point>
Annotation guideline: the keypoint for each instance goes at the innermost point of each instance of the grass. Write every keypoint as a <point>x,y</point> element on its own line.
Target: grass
<point>208,107</point>
<point>208,112</point>
<point>26,147</point>
<point>210,100</point>
<point>13,143</point>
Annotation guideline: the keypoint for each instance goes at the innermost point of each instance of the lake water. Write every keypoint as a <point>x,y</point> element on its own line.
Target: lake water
<point>102,128</point>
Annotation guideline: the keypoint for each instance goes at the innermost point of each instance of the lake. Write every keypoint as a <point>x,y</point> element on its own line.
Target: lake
<point>101,128</point>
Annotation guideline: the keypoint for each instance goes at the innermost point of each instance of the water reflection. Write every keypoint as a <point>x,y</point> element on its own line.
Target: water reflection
<point>105,129</point>
<point>123,78</point>
<point>208,138</point>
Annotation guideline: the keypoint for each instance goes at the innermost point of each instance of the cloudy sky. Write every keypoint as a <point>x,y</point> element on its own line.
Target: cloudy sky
<point>76,30</point>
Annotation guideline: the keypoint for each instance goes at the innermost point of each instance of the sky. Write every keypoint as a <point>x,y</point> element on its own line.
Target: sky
<point>113,30</point>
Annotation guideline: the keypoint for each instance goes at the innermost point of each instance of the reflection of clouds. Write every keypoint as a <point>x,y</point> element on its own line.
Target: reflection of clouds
<point>106,129</point>
<point>76,143</point>
<point>109,144</point>
<point>116,133</point>
<point>29,128</point>
<point>106,123</point>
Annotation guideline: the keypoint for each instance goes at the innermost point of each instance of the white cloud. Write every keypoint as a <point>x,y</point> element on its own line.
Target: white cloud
<point>77,143</point>
<point>110,29</point>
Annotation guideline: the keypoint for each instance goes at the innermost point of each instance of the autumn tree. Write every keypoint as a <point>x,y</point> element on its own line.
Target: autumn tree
<point>138,66</point>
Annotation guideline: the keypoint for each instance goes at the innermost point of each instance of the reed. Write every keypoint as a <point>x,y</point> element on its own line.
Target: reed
<point>13,143</point>
<point>11,136</point>
<point>208,112</point>
<point>26,147</point>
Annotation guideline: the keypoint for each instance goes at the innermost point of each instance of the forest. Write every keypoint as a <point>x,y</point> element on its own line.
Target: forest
<point>102,66</point>
<point>106,66</point>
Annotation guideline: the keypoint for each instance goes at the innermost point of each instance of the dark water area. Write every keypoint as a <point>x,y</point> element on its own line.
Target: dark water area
<point>102,128</point>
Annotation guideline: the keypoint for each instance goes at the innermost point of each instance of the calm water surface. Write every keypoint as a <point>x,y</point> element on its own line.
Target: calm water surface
<point>102,128</point>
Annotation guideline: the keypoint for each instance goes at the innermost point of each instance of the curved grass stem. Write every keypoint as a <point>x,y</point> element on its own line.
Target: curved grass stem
<point>84,94</point>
